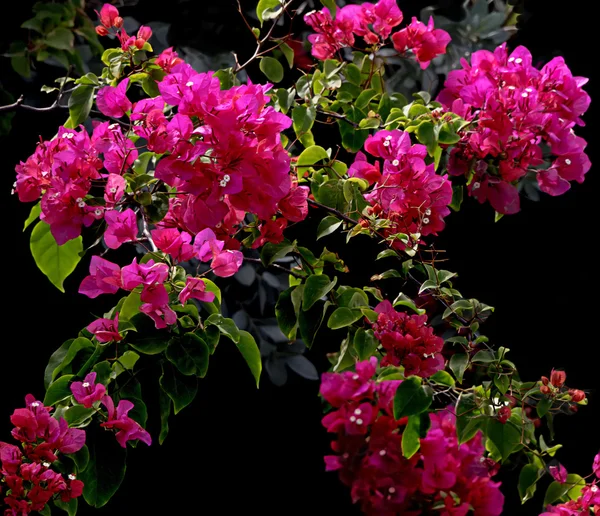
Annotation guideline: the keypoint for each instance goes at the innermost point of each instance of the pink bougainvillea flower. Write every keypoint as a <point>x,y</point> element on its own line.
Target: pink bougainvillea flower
<point>122,227</point>
<point>294,206</point>
<point>106,330</point>
<point>127,428</point>
<point>195,288</point>
<point>206,245</point>
<point>108,14</point>
<point>114,189</point>
<point>104,278</point>
<point>175,243</point>
<point>227,263</point>
<point>270,231</point>
<point>88,392</point>
<point>558,473</point>
<point>113,101</point>
<point>596,465</point>
<point>162,316</point>
<point>425,41</point>
<point>155,294</point>
<point>148,273</point>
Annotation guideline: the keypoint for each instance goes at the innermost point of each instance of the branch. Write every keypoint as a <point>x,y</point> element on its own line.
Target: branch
<point>338,116</point>
<point>337,213</point>
<point>274,266</point>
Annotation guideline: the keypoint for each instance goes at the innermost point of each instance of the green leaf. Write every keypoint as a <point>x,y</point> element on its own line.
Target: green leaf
<point>226,326</point>
<point>249,350</point>
<point>443,378</point>
<point>150,345</point>
<point>286,314</point>
<point>69,507</point>
<point>189,354</point>
<point>457,197</point>
<point>411,436</point>
<point>468,420</point>
<point>311,155</point>
<point>60,38</point>
<point>271,68</point>
<point>76,346</point>
<point>527,479</point>
<point>309,321</point>
<point>364,98</point>
<point>411,398</point>
<point>55,261</point>
<point>342,317</point>
<point>330,4</point>
<point>484,356</point>
<point>55,360</point>
<point>105,470</point>
<point>556,491</point>
<point>315,288</point>
<point>303,119</point>
<point>353,139</point>
<point>80,104</point>
<point>164,403</point>
<point>81,458</point>
<point>327,226</point>
<point>365,343</point>
<point>34,214</point>
<point>266,5</point>
<point>104,372</point>
<point>126,362</point>
<point>288,52</point>
<point>180,388</point>
<point>20,65</point>
<point>505,437</point>
<point>78,416</point>
<point>58,390</point>
<point>131,307</point>
<point>270,253</point>
<point>543,406</point>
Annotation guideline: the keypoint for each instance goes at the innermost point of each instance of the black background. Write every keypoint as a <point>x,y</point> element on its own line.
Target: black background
<point>237,449</point>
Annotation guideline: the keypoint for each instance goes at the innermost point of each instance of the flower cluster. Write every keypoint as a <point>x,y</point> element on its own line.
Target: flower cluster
<point>522,121</point>
<point>110,19</point>
<point>408,341</point>
<point>406,191</point>
<point>588,501</point>
<point>374,23</point>
<point>555,389</point>
<point>26,473</point>
<point>368,453</point>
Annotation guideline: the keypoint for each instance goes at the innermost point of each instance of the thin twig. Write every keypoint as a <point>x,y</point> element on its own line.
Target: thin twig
<point>274,266</point>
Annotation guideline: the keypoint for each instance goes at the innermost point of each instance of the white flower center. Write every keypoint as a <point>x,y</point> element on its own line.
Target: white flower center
<point>518,60</point>
<point>476,185</point>
<point>189,83</point>
<point>355,377</point>
<point>357,412</point>
<point>511,87</point>
<point>46,464</point>
<point>98,212</point>
<point>386,143</point>
<point>427,212</point>
<point>382,452</point>
<point>359,421</point>
<point>388,137</point>
<point>68,135</point>
<point>227,178</point>
<point>113,190</point>
<point>346,455</point>
<point>511,59</point>
<point>568,161</point>
<point>392,490</point>
<point>223,183</point>
<point>113,126</point>
<point>352,419</point>
<point>35,404</point>
<point>425,220</point>
<point>395,162</point>
<point>81,204</point>
<point>524,94</point>
<point>530,90</point>
<point>79,199</point>
<point>72,477</point>
<point>85,384</point>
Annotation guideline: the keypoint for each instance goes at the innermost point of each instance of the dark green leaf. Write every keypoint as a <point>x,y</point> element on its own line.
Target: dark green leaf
<point>80,104</point>
<point>69,507</point>
<point>81,458</point>
<point>150,345</point>
<point>271,68</point>
<point>189,354</point>
<point>78,415</point>
<point>180,388</point>
<point>60,38</point>
<point>527,479</point>
<point>303,119</point>
<point>556,491</point>
<point>505,437</point>
<point>343,317</point>
<point>457,197</point>
<point>56,262</point>
<point>58,390</point>
<point>75,348</point>
<point>468,420</point>
<point>316,287</point>
<point>270,253</point>
<point>288,52</point>
<point>365,343</point>
<point>411,398</point>
<point>327,226</point>
<point>309,321</point>
<point>55,360</point>
<point>269,6</point>
<point>158,209</point>
<point>105,470</point>
<point>226,326</point>
<point>543,406</point>
<point>442,378</point>
<point>249,350</point>
<point>164,402</point>
<point>286,314</point>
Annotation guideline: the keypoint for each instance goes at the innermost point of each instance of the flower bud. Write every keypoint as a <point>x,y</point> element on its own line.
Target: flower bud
<point>118,22</point>
<point>577,395</point>
<point>545,380</point>
<point>544,389</point>
<point>144,33</point>
<point>503,414</point>
<point>139,43</point>
<point>557,378</point>
<point>101,31</point>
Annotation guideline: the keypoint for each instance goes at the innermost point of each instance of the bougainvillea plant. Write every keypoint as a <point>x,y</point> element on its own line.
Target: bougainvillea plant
<point>190,173</point>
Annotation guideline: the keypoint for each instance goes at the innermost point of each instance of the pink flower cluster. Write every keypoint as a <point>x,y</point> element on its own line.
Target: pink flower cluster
<point>407,191</point>
<point>422,40</point>
<point>107,278</point>
<point>110,19</point>
<point>516,111</point>
<point>27,477</point>
<point>368,453</point>
<point>408,341</point>
<point>587,503</point>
